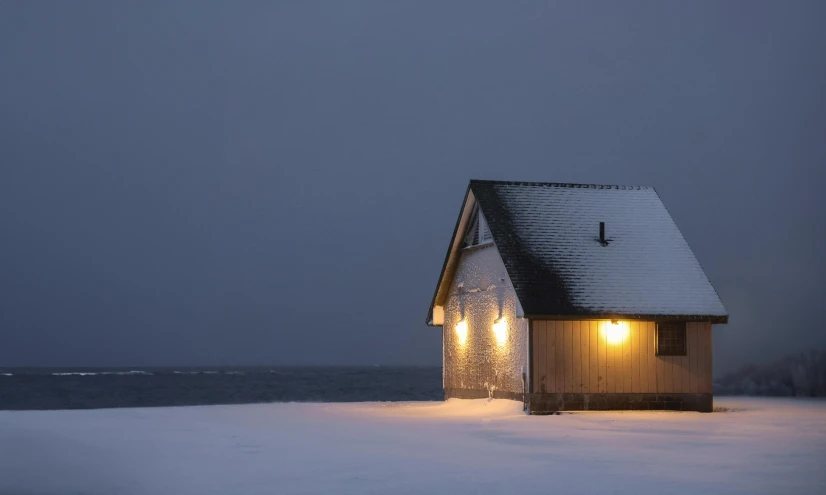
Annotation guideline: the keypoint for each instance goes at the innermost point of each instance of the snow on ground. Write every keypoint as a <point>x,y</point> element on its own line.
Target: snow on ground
<point>457,447</point>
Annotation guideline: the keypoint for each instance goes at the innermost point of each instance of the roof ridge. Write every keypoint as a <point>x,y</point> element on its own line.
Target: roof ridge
<point>559,184</point>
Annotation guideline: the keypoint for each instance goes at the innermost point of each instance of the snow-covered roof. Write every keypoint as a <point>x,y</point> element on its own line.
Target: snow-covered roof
<point>548,237</point>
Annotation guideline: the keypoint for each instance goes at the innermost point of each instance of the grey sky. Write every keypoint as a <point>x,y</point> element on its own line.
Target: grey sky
<point>276,182</point>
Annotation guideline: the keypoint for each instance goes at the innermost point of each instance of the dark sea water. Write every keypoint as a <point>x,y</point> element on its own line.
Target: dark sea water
<point>32,388</point>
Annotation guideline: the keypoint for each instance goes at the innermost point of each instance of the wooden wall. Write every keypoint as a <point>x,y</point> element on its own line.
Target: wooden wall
<point>574,357</point>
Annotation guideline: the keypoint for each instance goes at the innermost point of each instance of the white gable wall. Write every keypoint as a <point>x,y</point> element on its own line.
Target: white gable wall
<point>480,293</point>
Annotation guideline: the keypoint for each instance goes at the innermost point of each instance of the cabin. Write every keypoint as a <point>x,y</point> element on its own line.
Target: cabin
<point>574,297</point>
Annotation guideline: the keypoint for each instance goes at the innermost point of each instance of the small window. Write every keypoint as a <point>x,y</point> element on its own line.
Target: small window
<point>478,232</point>
<point>671,339</point>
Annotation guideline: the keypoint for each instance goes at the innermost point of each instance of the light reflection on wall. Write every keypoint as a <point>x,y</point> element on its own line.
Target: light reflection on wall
<point>614,332</point>
<point>500,330</point>
<point>461,332</point>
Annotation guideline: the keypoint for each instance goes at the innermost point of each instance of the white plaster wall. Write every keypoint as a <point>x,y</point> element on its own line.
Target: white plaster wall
<point>481,292</point>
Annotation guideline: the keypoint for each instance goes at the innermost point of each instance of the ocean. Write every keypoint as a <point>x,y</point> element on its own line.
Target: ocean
<point>90,388</point>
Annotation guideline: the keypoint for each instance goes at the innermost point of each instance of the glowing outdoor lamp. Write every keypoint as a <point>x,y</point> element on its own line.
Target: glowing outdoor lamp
<point>461,331</point>
<point>500,330</point>
<point>615,332</point>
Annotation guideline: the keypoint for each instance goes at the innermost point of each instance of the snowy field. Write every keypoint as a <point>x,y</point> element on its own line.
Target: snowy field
<point>763,446</point>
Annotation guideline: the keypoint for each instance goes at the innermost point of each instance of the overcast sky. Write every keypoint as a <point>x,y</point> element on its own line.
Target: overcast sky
<point>201,183</point>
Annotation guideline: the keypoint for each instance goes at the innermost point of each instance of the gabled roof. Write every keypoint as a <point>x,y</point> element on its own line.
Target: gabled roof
<point>548,237</point>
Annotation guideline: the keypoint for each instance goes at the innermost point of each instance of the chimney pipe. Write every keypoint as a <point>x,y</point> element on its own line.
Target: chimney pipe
<point>602,232</point>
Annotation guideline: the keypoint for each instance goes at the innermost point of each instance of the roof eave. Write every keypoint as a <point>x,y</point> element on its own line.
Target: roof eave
<point>429,320</point>
<point>718,319</point>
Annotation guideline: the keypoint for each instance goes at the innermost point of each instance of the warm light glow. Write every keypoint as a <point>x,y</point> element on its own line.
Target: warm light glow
<point>500,330</point>
<point>461,332</point>
<point>615,331</point>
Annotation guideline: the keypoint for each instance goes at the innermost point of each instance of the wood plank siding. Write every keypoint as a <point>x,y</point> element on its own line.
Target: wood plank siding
<point>577,357</point>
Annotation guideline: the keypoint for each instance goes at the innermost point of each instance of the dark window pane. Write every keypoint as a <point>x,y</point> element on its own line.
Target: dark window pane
<point>671,339</point>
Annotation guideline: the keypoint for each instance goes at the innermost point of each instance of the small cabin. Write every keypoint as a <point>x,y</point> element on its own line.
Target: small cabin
<point>574,297</point>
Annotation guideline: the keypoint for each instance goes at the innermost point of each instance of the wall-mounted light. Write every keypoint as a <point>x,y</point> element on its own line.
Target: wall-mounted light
<point>461,331</point>
<point>615,331</point>
<point>500,330</point>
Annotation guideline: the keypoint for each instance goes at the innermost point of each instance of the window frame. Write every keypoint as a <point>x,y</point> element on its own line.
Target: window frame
<point>682,326</point>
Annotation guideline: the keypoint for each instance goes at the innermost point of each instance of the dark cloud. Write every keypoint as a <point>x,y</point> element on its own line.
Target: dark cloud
<point>276,182</point>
